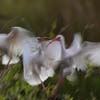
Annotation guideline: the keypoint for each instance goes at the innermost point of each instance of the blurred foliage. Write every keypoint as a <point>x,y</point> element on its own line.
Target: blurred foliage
<point>48,17</point>
<point>13,87</point>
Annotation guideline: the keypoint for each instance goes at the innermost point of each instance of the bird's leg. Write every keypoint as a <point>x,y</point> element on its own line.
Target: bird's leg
<point>8,63</point>
<point>43,85</point>
<point>37,72</point>
<point>59,83</point>
<point>55,90</point>
<point>2,74</point>
<point>63,72</point>
<point>6,67</point>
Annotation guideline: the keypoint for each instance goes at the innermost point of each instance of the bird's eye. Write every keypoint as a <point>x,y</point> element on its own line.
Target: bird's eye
<point>58,39</point>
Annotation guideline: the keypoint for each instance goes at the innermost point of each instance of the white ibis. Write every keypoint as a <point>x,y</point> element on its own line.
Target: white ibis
<point>66,61</point>
<point>67,54</point>
<point>73,49</point>
<point>38,59</point>
<point>12,44</point>
<point>81,53</point>
<point>40,64</point>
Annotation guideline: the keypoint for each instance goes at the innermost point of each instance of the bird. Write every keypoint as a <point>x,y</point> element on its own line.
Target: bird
<point>67,54</point>
<point>81,53</point>
<point>38,59</point>
<point>40,64</point>
<point>12,44</point>
<point>15,30</point>
<point>66,62</point>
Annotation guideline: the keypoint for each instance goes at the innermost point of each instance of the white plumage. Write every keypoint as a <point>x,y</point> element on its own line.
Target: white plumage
<point>40,64</point>
<point>38,59</point>
<point>81,53</point>
<point>5,60</point>
<point>90,53</point>
<point>67,54</point>
<point>12,44</point>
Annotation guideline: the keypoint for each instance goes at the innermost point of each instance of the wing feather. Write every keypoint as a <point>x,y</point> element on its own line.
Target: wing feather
<point>34,72</point>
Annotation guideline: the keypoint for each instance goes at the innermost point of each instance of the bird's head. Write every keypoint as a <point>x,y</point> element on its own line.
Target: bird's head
<point>57,38</point>
<point>41,39</point>
<point>18,33</point>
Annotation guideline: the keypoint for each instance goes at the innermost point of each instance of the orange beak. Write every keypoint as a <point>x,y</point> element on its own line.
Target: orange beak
<point>55,39</point>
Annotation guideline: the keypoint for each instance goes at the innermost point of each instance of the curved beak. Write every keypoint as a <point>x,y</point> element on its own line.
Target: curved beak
<point>54,39</point>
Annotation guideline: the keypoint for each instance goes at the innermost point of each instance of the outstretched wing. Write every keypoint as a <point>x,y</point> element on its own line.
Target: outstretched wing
<point>75,47</point>
<point>34,73</point>
<point>14,43</point>
<point>90,53</point>
<point>16,37</point>
<point>93,52</point>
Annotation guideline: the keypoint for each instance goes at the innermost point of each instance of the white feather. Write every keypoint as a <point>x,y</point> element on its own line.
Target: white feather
<point>6,59</point>
<point>90,53</point>
<point>37,66</point>
<point>12,44</point>
<point>52,55</point>
<point>75,46</point>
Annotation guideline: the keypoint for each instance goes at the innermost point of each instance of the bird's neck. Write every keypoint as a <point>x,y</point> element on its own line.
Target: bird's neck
<point>63,49</point>
<point>63,45</point>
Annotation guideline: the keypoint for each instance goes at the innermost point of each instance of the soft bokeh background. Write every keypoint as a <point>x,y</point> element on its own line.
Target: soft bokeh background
<point>48,17</point>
